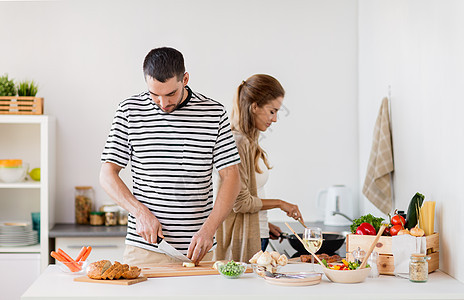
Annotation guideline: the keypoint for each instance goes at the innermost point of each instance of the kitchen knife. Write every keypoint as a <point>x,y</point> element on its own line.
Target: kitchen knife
<point>171,251</point>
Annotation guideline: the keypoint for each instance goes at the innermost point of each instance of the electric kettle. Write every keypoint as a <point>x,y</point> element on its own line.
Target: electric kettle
<point>337,203</point>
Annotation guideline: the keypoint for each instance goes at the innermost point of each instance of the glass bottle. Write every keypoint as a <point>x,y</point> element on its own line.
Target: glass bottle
<point>372,261</point>
<point>418,267</point>
<point>83,204</point>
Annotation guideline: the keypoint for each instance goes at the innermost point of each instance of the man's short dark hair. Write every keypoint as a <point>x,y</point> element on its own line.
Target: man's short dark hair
<point>163,64</point>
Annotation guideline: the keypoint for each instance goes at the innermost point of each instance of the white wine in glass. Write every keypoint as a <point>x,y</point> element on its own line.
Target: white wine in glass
<point>312,238</point>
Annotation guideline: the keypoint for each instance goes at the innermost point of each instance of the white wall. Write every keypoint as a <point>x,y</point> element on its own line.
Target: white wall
<point>87,57</point>
<point>417,48</point>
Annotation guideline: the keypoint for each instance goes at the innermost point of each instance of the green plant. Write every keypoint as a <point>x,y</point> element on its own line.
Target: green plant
<point>27,88</point>
<point>7,86</point>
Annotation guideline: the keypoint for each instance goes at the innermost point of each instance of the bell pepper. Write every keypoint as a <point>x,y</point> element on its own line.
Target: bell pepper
<point>366,229</point>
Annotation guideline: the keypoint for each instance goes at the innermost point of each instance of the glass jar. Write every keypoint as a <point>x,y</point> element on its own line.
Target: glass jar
<point>83,204</point>
<point>372,261</point>
<point>97,218</point>
<point>111,214</point>
<point>358,255</point>
<point>122,220</point>
<point>418,267</point>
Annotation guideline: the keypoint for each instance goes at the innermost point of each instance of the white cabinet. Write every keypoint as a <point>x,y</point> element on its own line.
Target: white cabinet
<point>19,271</point>
<point>32,139</point>
<point>111,248</point>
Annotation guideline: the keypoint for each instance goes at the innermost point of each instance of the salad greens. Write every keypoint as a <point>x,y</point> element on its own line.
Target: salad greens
<point>374,221</point>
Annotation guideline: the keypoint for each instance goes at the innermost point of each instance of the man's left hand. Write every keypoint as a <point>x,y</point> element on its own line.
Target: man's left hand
<point>201,243</point>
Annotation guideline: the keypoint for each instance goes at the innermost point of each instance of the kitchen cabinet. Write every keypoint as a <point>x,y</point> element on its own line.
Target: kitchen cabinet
<point>32,139</point>
<point>19,271</point>
<point>111,248</point>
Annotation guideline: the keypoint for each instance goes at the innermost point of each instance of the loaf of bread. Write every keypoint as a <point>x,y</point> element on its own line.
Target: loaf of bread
<point>103,269</point>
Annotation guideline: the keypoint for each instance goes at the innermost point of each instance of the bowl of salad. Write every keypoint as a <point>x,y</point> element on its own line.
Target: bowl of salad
<point>232,269</point>
<point>347,272</point>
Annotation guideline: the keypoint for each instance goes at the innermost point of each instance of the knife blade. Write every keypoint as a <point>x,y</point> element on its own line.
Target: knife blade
<point>171,251</point>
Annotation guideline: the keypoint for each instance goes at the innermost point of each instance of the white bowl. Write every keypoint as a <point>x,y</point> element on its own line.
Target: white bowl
<point>13,174</point>
<point>347,276</point>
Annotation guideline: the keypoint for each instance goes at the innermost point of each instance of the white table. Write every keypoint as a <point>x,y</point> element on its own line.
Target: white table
<point>53,284</point>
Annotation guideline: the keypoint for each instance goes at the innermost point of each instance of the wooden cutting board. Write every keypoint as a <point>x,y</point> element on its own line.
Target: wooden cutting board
<point>176,269</point>
<point>116,281</point>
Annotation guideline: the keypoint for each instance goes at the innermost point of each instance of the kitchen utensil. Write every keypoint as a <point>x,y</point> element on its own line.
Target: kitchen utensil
<point>171,251</point>
<point>368,253</point>
<point>176,270</point>
<point>302,223</point>
<point>116,281</point>
<point>307,249</point>
<point>337,205</point>
<point>332,242</point>
<point>295,279</point>
<point>13,170</point>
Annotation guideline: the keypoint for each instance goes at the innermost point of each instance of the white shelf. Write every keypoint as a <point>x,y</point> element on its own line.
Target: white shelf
<point>25,249</point>
<point>20,185</point>
<point>32,139</point>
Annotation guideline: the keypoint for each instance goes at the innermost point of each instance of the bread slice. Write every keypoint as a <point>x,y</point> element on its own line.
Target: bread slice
<point>132,273</point>
<point>117,271</point>
<point>108,272</point>
<point>96,269</point>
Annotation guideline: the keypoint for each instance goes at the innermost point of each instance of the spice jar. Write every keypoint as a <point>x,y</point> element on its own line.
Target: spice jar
<point>418,267</point>
<point>122,220</point>
<point>111,214</point>
<point>97,218</point>
<point>83,204</point>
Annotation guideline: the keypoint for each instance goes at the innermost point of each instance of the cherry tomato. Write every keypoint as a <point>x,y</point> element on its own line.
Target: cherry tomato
<point>395,229</point>
<point>386,231</point>
<point>398,220</point>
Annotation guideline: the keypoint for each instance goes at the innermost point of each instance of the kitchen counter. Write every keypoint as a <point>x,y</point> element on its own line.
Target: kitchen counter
<point>53,284</point>
<point>76,230</point>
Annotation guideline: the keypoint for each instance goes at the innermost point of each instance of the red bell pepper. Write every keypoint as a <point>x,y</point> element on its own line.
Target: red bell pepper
<point>366,229</point>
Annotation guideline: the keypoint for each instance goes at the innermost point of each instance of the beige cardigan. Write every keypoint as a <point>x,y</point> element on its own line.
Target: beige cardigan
<point>238,238</point>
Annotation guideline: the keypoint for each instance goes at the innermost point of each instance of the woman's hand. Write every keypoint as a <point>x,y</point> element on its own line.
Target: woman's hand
<point>274,231</point>
<point>291,210</point>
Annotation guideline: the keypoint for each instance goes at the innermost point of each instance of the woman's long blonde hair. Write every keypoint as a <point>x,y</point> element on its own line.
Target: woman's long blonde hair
<point>260,89</point>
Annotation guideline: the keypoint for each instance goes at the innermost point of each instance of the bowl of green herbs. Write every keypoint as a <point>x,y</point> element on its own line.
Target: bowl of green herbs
<point>232,269</point>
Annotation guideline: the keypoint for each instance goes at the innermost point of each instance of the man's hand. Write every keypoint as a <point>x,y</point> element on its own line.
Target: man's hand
<point>274,231</point>
<point>148,226</point>
<point>201,243</point>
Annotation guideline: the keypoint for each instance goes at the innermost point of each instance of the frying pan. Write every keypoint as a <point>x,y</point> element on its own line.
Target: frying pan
<point>332,242</point>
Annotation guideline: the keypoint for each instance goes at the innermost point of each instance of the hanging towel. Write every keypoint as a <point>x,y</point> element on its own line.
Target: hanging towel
<point>377,185</point>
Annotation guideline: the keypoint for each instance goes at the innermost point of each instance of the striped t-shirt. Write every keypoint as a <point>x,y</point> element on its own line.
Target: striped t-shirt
<point>172,157</point>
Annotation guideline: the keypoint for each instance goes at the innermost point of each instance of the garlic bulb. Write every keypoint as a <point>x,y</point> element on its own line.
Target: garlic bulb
<point>264,259</point>
<point>282,260</point>
<point>255,257</point>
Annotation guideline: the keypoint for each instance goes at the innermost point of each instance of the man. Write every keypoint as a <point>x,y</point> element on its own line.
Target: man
<point>173,137</point>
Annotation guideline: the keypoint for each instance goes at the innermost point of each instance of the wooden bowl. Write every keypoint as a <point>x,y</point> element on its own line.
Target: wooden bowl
<point>347,276</point>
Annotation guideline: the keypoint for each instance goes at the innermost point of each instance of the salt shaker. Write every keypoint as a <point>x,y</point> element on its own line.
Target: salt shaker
<point>372,261</point>
<point>358,255</point>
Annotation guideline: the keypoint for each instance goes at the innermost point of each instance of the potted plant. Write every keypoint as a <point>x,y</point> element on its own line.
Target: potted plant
<point>24,104</point>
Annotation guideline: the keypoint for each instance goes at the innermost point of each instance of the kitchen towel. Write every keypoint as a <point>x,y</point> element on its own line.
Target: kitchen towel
<point>377,185</point>
<point>402,248</point>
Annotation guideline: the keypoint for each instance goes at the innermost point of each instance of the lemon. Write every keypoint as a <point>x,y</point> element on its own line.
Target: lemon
<point>35,174</point>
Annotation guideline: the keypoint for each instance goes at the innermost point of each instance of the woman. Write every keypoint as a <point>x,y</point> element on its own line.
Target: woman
<point>246,230</point>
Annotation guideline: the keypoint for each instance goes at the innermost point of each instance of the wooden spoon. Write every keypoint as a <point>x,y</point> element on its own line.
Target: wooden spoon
<point>302,223</point>
<point>377,237</point>
<point>304,245</point>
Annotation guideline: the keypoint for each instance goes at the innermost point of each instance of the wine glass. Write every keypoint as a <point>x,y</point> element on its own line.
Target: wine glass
<point>312,238</point>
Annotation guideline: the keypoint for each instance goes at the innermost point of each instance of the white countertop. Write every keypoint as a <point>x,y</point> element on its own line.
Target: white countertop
<point>53,284</point>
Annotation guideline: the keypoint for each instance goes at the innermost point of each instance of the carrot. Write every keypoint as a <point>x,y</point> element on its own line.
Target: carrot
<point>81,253</point>
<point>57,256</point>
<point>71,266</point>
<point>87,253</point>
<point>69,261</point>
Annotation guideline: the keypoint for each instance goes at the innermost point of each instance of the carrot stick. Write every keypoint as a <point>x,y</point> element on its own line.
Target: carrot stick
<point>81,253</point>
<point>69,260</point>
<point>87,253</point>
<point>59,257</point>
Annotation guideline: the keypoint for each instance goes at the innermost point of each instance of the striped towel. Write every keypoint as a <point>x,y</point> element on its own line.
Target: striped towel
<point>377,185</point>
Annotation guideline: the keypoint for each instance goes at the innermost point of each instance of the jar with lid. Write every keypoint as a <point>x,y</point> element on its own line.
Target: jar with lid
<point>83,203</point>
<point>122,220</point>
<point>97,218</point>
<point>358,255</point>
<point>418,267</point>
<point>111,214</point>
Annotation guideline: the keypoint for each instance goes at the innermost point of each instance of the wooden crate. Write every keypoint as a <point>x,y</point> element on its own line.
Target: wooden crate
<point>21,105</point>
<point>385,262</point>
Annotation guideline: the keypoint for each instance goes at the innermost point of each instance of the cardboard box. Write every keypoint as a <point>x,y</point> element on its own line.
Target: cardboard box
<point>385,262</point>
